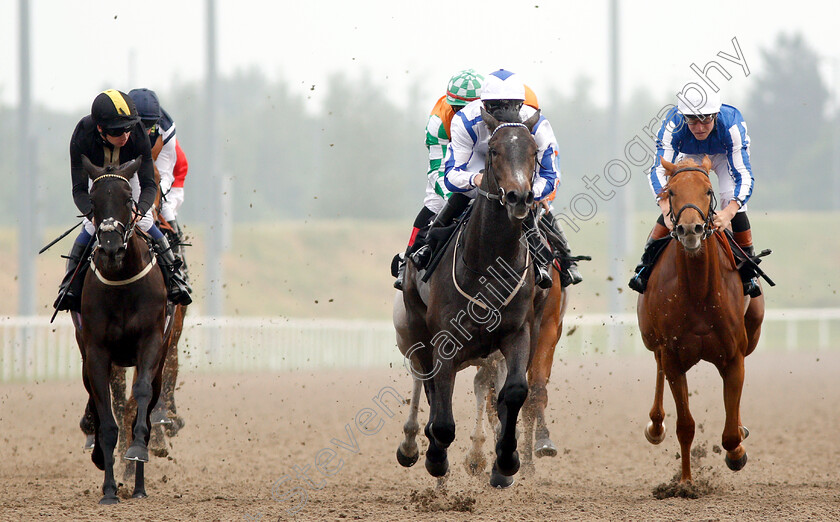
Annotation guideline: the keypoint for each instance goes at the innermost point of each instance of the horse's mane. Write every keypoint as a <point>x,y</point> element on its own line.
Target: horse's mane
<point>687,162</point>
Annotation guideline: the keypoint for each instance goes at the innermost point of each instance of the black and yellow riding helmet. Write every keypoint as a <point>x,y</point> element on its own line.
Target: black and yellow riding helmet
<point>113,109</point>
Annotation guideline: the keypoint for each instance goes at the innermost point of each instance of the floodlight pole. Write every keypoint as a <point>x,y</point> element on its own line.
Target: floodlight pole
<point>215,235</point>
<point>28,218</point>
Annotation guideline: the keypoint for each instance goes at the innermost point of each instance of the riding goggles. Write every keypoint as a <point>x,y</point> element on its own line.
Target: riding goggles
<point>118,131</point>
<point>700,118</point>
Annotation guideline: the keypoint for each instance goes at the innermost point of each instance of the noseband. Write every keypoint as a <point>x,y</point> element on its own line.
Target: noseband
<point>707,217</point>
<point>111,224</point>
<point>500,197</point>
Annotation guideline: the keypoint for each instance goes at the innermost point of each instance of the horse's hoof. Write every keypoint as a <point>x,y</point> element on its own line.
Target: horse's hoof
<point>652,439</point>
<point>109,500</point>
<point>139,494</point>
<point>137,453</point>
<point>545,448</point>
<point>405,460</point>
<point>744,432</point>
<point>507,466</point>
<point>160,417</point>
<point>499,481</point>
<point>475,464</point>
<point>174,427</point>
<point>90,441</point>
<point>437,469</point>
<point>736,465</point>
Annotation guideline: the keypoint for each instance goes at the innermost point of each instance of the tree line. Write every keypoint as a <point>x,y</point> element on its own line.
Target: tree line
<point>364,157</point>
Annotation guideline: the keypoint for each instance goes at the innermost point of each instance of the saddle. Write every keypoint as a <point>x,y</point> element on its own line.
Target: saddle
<point>444,236</point>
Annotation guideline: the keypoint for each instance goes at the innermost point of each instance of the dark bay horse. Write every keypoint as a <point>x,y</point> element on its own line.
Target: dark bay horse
<point>165,419</point>
<point>535,436</point>
<point>123,309</point>
<point>481,299</point>
<point>694,309</point>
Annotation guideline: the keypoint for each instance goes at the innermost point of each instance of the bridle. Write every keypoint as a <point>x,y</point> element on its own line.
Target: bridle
<point>501,196</point>
<point>708,217</point>
<point>111,224</point>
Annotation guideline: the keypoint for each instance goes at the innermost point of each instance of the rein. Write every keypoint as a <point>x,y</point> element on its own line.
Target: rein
<point>473,299</point>
<point>708,216</point>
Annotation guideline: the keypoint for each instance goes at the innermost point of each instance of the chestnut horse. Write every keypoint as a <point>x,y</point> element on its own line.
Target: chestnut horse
<point>694,309</point>
<point>122,319</point>
<point>453,321</point>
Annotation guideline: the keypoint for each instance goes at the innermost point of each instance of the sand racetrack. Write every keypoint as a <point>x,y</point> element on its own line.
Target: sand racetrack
<point>245,433</point>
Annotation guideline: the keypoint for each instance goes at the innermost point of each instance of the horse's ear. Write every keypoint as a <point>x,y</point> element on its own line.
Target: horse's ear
<point>128,168</point>
<point>669,167</point>
<point>491,122</point>
<point>532,121</point>
<point>92,170</point>
<point>707,163</point>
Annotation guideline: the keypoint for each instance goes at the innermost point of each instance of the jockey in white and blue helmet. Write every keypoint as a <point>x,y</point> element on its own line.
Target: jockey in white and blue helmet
<point>503,96</point>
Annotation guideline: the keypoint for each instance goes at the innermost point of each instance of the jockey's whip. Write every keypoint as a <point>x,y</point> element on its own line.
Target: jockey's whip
<point>75,273</point>
<point>750,260</point>
<point>59,238</point>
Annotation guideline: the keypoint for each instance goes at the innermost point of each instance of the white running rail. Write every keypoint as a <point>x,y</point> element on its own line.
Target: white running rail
<point>32,349</point>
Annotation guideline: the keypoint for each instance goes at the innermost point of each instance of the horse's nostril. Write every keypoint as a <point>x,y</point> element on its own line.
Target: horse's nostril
<point>529,198</point>
<point>512,198</point>
<point>698,228</point>
<point>680,230</point>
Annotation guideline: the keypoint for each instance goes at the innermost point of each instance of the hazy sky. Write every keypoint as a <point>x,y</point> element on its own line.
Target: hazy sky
<point>81,47</point>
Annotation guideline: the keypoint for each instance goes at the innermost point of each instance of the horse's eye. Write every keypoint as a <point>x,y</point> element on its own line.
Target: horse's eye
<point>670,192</point>
<point>493,152</point>
<point>709,192</point>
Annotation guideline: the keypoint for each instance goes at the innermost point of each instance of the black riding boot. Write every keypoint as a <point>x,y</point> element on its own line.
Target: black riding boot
<point>398,263</point>
<point>747,272</point>
<point>421,224</point>
<point>73,298</point>
<point>177,289</point>
<point>176,240</point>
<point>569,275</point>
<point>455,205</point>
<point>541,253</point>
<point>652,249</point>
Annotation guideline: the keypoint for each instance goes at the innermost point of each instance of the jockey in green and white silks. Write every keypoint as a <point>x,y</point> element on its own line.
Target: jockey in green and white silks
<point>463,87</point>
<point>468,150</point>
